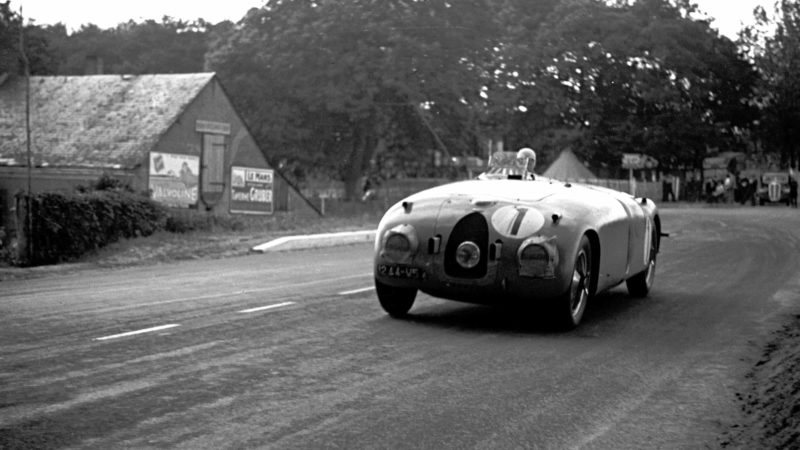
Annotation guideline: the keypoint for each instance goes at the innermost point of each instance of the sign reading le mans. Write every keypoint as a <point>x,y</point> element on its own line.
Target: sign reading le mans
<point>251,190</point>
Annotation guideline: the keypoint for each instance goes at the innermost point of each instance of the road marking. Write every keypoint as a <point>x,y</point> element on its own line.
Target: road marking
<point>131,333</point>
<point>357,291</point>
<point>230,294</point>
<point>262,308</point>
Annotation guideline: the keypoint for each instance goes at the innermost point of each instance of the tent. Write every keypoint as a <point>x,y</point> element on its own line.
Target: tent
<point>568,167</point>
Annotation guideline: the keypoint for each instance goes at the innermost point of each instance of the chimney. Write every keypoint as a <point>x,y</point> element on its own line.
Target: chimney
<point>94,65</point>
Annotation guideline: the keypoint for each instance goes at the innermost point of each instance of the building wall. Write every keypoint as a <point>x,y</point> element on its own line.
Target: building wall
<point>213,106</point>
<point>183,138</point>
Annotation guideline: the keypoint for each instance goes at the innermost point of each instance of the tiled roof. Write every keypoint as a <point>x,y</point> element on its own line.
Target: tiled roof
<point>92,121</point>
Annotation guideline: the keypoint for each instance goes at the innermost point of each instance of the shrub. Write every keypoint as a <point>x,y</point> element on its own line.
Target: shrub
<point>66,226</point>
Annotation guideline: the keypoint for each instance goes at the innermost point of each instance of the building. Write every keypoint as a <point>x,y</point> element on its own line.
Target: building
<point>175,136</point>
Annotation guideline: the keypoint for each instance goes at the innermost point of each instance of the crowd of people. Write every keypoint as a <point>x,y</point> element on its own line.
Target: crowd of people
<point>729,189</point>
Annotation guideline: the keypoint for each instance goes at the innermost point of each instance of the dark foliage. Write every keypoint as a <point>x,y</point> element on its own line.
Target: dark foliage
<point>66,226</point>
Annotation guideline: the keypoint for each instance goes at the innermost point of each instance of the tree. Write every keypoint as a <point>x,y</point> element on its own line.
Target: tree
<point>169,46</point>
<point>775,45</point>
<point>9,40</point>
<point>41,57</point>
<point>641,77</point>
<point>333,83</point>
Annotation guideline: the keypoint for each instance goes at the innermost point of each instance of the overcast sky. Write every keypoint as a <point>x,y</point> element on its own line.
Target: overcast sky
<point>728,14</point>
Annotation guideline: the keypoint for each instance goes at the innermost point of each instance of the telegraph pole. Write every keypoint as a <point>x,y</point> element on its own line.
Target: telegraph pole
<point>27,67</point>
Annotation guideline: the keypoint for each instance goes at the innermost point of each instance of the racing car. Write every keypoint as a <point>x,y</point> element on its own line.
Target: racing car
<point>513,236</point>
<point>774,188</point>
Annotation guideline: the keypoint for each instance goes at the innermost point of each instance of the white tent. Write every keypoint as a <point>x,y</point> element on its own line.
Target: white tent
<point>568,167</point>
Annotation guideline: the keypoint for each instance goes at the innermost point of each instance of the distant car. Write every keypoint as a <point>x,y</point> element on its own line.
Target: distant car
<point>774,188</point>
<point>509,236</point>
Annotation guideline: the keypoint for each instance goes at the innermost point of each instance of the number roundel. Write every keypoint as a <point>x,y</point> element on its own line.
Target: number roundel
<point>517,222</point>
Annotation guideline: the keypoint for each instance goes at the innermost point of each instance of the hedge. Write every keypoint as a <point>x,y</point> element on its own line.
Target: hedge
<point>66,226</point>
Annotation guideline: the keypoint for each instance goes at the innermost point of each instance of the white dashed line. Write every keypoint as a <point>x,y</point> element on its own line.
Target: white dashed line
<point>131,333</point>
<point>262,308</point>
<point>357,291</point>
<point>231,294</point>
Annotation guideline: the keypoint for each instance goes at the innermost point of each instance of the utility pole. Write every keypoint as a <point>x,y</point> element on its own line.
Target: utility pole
<point>27,67</point>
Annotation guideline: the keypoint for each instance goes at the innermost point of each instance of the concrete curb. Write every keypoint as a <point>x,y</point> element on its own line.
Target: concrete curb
<point>316,241</point>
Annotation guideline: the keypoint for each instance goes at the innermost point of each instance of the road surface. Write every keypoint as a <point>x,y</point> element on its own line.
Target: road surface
<point>291,350</point>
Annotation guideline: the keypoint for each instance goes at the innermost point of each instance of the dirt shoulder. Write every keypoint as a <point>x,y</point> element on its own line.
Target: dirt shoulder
<point>770,399</point>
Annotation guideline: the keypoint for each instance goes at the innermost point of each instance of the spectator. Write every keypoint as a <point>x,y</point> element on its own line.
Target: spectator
<point>710,187</point>
<point>667,186</point>
<point>719,192</point>
<point>727,188</point>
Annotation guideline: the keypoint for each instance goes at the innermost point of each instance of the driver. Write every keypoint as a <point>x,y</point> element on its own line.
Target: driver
<point>511,165</point>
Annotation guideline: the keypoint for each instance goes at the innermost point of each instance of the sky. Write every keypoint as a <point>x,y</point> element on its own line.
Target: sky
<point>728,14</point>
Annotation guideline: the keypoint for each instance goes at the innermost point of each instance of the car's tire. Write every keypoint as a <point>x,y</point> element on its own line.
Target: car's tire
<point>394,300</point>
<point>570,306</point>
<point>640,284</point>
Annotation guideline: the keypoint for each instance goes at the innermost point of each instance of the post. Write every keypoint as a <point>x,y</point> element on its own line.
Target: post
<point>21,218</point>
<point>26,64</point>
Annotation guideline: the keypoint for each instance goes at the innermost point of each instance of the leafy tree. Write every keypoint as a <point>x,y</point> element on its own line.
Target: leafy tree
<point>775,45</point>
<point>516,110</point>
<point>640,77</point>
<point>41,58</point>
<point>334,83</point>
<point>169,46</point>
<point>9,40</point>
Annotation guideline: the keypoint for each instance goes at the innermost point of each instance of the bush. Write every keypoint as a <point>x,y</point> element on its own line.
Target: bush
<point>66,226</point>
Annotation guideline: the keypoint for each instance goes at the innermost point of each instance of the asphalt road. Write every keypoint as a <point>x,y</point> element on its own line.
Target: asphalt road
<point>291,350</point>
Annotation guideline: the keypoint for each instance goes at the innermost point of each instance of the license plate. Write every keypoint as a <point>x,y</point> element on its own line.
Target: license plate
<point>396,271</point>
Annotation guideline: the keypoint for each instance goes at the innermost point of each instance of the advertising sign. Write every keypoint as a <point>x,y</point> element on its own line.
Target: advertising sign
<point>174,179</point>
<point>207,126</point>
<point>251,190</point>
<point>638,161</point>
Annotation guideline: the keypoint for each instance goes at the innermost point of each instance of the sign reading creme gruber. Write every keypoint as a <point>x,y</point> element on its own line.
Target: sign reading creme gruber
<point>251,190</point>
<point>174,178</point>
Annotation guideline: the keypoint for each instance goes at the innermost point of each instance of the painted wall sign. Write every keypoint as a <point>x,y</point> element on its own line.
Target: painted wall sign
<point>207,126</point>
<point>251,190</point>
<point>173,179</point>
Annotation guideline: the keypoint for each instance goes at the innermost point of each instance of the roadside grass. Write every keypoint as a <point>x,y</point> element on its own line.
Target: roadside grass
<point>217,239</point>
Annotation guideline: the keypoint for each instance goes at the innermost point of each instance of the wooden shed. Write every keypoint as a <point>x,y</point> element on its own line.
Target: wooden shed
<point>176,136</point>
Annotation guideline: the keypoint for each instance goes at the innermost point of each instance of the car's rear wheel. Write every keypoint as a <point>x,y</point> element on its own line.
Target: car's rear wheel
<point>640,284</point>
<point>569,308</point>
<point>395,301</point>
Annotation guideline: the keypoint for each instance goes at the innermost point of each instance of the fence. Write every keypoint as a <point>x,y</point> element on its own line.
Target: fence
<point>650,189</point>
<point>392,191</point>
